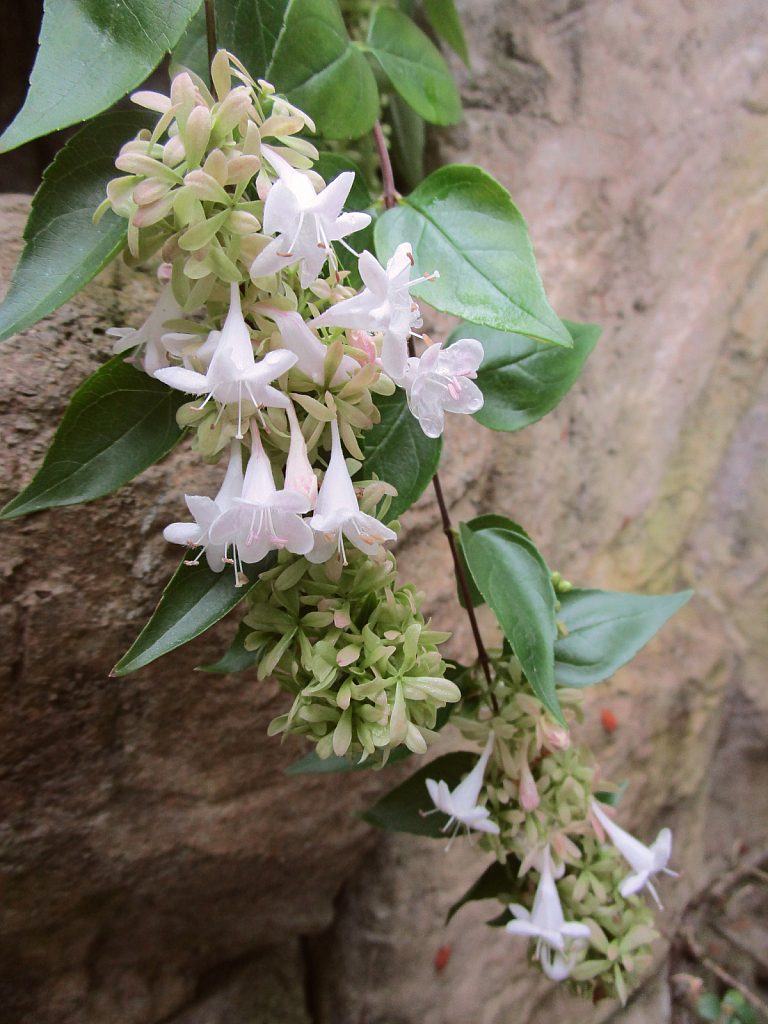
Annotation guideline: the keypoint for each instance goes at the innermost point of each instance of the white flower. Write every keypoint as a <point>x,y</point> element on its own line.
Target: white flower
<point>385,304</point>
<point>547,924</point>
<point>461,803</point>
<point>337,512</point>
<point>206,511</point>
<point>310,351</point>
<point>439,382</point>
<point>263,518</point>
<point>299,475</point>
<point>644,860</point>
<point>306,222</point>
<point>150,334</point>
<point>233,368</point>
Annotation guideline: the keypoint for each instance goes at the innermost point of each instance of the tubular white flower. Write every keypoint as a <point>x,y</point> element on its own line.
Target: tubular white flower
<point>150,334</point>
<point>385,304</point>
<point>206,511</point>
<point>338,513</point>
<point>439,382</point>
<point>305,221</point>
<point>233,369</point>
<point>461,803</point>
<point>299,475</point>
<point>547,924</point>
<point>309,349</point>
<point>644,860</point>
<point>263,518</point>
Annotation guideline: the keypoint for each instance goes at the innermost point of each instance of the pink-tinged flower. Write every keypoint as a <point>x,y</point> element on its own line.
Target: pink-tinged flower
<point>206,511</point>
<point>529,794</point>
<point>305,221</point>
<point>149,336</point>
<point>442,381</point>
<point>644,860</point>
<point>233,372</point>
<point>385,304</point>
<point>263,518</point>
<point>461,803</point>
<point>309,350</point>
<point>299,475</point>
<point>547,924</point>
<point>338,513</point>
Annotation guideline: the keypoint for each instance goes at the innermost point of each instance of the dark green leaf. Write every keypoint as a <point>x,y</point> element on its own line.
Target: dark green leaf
<point>195,598</point>
<point>119,423</point>
<point>464,224</point>
<point>482,523</point>
<point>515,581</point>
<point>414,66</point>
<point>91,53</point>
<point>504,918</point>
<point>408,143</point>
<point>251,28</point>
<point>330,165</point>
<point>606,629</point>
<point>401,809</point>
<point>64,249</point>
<point>708,1006</point>
<point>237,658</point>
<point>399,451</point>
<point>191,51</point>
<point>444,19</point>
<point>523,379</point>
<point>498,881</point>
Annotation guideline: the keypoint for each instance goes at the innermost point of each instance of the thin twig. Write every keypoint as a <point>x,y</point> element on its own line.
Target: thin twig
<point>390,200</point>
<point>697,951</point>
<point>387,178</point>
<point>210,31</point>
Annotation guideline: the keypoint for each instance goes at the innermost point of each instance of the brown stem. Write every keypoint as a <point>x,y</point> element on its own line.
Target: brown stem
<point>210,31</point>
<point>482,654</point>
<point>387,178</point>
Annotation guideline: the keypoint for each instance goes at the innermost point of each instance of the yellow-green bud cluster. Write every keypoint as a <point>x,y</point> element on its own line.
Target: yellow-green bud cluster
<point>355,652</point>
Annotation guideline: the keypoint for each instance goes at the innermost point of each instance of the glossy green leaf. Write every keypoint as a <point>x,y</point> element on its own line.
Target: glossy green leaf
<point>330,165</point>
<point>444,19</point>
<point>399,451</point>
<point>119,423</point>
<point>515,581</point>
<point>191,51</point>
<point>236,658</point>
<point>403,809</point>
<point>606,629</point>
<point>498,881</point>
<point>464,224</point>
<point>195,598</point>
<point>414,66</point>
<point>485,522</point>
<point>523,379</point>
<point>92,52</point>
<point>408,142</point>
<point>64,249</point>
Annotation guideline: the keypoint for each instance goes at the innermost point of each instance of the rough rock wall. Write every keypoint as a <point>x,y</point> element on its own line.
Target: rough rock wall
<point>155,864</point>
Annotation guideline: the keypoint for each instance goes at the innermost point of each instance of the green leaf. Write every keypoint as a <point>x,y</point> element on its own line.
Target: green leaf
<point>515,581</point>
<point>414,66</point>
<point>401,809</point>
<point>191,51</point>
<point>330,165</point>
<point>399,451</point>
<point>496,881</point>
<point>606,629</point>
<point>444,19</point>
<point>523,379</point>
<point>303,49</point>
<point>236,658</point>
<point>120,422</point>
<point>195,598</point>
<point>64,249</point>
<point>482,523</point>
<point>464,224</point>
<point>408,143</point>
<point>708,1006</point>
<point>91,53</point>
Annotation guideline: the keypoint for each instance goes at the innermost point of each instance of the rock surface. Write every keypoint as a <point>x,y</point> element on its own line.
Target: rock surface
<point>156,865</point>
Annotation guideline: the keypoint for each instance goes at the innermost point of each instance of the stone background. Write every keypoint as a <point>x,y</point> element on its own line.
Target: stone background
<point>156,865</point>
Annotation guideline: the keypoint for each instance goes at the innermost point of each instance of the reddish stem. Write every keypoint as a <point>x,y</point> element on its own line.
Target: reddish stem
<point>387,178</point>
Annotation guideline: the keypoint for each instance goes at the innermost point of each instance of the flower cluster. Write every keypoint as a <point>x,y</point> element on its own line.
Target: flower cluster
<point>531,795</point>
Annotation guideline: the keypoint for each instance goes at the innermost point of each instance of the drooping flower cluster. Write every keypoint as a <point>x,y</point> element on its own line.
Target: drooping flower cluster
<point>532,796</point>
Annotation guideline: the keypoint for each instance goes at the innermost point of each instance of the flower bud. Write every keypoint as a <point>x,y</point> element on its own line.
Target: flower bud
<point>529,794</point>
<point>197,135</point>
<point>299,475</point>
